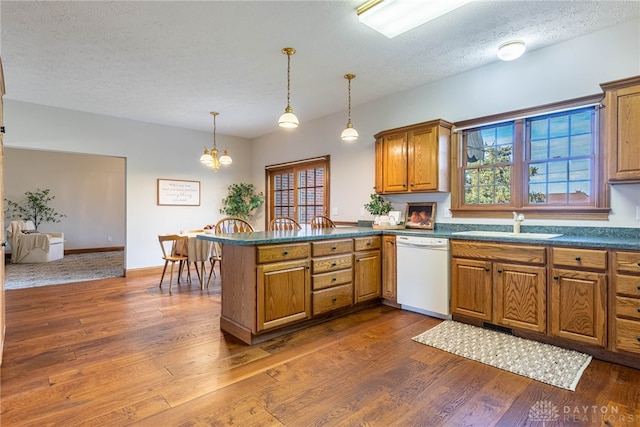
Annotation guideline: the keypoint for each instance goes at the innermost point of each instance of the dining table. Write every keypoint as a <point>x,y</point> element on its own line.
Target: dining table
<point>198,251</point>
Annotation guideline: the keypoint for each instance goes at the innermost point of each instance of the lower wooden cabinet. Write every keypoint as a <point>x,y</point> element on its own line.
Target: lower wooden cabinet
<point>283,293</point>
<point>332,279</point>
<point>471,288</point>
<point>367,275</point>
<point>520,298</point>
<point>389,269</point>
<point>625,325</point>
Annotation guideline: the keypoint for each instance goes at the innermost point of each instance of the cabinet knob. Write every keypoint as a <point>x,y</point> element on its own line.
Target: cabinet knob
<point>555,277</point>
<point>404,185</point>
<point>638,287</point>
<point>577,258</point>
<point>638,263</point>
<point>285,253</point>
<point>333,264</point>
<point>487,269</point>
<point>333,279</point>
<point>334,299</point>
<point>368,243</point>
<point>638,310</point>
<point>499,271</point>
<point>411,185</point>
<point>333,248</point>
<point>638,339</point>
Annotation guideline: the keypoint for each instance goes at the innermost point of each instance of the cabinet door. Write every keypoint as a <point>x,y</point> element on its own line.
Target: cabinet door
<point>471,288</point>
<point>389,267</point>
<point>284,295</point>
<point>394,160</point>
<point>379,166</point>
<point>423,160</point>
<point>578,306</point>
<point>520,299</point>
<point>367,275</point>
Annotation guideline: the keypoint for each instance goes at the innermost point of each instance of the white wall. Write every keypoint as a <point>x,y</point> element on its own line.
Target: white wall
<point>88,189</point>
<point>151,152</point>
<point>567,70</point>
<point>570,69</point>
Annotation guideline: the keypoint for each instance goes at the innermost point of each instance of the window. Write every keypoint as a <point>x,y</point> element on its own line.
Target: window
<point>299,189</point>
<point>546,164</point>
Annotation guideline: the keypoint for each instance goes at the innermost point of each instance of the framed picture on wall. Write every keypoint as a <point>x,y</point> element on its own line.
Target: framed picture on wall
<point>420,215</point>
<point>174,192</point>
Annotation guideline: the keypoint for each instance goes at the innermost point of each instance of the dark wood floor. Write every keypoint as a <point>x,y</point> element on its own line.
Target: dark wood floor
<point>124,352</point>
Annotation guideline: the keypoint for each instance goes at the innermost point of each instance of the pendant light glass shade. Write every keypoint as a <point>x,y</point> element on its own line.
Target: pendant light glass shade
<point>511,50</point>
<point>288,119</point>
<point>210,156</point>
<point>349,134</point>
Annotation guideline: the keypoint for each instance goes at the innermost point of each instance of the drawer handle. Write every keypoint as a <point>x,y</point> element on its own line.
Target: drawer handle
<point>334,299</point>
<point>333,264</point>
<point>334,279</point>
<point>333,248</point>
<point>555,277</point>
<point>499,271</point>
<point>577,258</point>
<point>285,253</point>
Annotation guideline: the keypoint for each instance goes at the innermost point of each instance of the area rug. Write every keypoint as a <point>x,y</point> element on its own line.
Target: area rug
<point>542,362</point>
<point>71,268</point>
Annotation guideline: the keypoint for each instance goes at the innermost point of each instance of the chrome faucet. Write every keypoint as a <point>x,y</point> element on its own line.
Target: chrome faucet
<point>517,219</point>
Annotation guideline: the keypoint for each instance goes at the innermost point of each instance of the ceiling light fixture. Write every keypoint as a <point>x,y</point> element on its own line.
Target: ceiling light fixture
<point>511,50</point>
<point>210,157</point>
<point>349,134</point>
<point>288,119</point>
<point>394,17</point>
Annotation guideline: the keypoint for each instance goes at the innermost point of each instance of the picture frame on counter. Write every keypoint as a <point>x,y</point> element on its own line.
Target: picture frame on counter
<point>420,215</point>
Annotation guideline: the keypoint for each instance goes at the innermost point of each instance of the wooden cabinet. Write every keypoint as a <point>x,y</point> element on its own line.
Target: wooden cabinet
<point>621,129</point>
<point>625,325</point>
<point>498,283</point>
<point>332,275</point>
<point>389,270</point>
<point>283,294</point>
<point>578,295</point>
<point>413,158</point>
<point>367,268</point>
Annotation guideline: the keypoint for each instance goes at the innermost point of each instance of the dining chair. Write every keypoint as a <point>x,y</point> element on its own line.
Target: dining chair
<point>283,223</point>
<point>174,249</point>
<point>227,225</point>
<point>321,221</point>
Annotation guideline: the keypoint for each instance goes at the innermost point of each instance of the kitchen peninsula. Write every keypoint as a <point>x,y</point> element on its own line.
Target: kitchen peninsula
<point>275,282</point>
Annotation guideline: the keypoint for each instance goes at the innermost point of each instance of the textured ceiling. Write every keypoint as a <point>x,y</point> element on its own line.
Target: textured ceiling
<point>174,62</point>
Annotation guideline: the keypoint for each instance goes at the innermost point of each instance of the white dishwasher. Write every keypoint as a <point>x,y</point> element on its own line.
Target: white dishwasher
<point>423,275</point>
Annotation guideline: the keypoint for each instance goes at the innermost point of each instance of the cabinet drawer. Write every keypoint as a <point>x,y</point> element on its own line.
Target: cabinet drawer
<point>628,285</point>
<point>628,335</point>
<point>528,254</point>
<point>273,253</point>
<point>331,247</point>
<point>585,258</point>
<point>339,262</point>
<point>628,261</point>
<point>327,280</point>
<point>366,243</point>
<point>332,298</point>
<point>628,307</point>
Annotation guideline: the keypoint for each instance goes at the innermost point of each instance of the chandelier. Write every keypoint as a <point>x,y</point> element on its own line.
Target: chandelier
<point>210,156</point>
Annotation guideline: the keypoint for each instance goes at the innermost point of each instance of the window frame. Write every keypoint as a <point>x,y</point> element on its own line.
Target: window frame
<point>295,167</point>
<point>519,200</point>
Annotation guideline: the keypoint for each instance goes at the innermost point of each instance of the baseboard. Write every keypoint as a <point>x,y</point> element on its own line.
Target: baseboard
<point>93,250</point>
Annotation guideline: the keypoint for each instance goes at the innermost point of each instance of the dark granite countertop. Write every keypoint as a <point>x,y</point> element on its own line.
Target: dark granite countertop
<point>587,237</point>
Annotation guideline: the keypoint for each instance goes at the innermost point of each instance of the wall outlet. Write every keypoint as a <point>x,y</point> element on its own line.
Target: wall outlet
<point>447,213</point>
<point>362,212</point>
<point>335,211</point>
<point>109,238</point>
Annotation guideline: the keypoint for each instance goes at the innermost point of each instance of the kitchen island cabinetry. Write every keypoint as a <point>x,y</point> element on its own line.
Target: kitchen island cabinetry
<point>579,295</point>
<point>332,279</point>
<point>500,284</point>
<point>621,129</point>
<point>625,324</point>
<point>413,158</point>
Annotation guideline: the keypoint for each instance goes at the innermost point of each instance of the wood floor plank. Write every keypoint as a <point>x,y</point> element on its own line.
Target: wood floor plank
<point>117,352</point>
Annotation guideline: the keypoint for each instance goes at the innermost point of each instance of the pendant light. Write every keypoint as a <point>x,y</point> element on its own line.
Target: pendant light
<point>349,134</point>
<point>288,119</point>
<point>210,157</point>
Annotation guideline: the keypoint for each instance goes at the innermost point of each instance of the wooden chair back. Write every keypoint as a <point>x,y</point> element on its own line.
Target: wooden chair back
<point>321,221</point>
<point>233,225</point>
<point>283,223</point>
<point>174,249</point>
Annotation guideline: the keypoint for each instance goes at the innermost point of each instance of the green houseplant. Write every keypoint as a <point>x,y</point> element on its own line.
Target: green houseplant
<point>241,201</point>
<point>378,206</point>
<point>35,207</point>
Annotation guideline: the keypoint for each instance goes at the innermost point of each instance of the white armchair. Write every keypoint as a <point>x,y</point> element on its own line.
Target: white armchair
<point>29,246</point>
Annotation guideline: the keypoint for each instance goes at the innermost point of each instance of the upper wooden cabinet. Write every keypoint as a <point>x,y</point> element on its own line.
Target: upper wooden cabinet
<point>413,158</point>
<point>621,129</point>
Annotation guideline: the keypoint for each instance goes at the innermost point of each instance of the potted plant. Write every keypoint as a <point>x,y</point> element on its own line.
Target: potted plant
<point>34,208</point>
<point>241,201</point>
<point>379,208</point>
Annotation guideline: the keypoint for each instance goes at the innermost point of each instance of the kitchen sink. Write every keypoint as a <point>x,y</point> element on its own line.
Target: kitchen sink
<point>485,233</point>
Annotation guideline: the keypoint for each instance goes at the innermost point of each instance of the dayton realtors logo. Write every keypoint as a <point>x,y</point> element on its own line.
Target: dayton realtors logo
<point>546,412</point>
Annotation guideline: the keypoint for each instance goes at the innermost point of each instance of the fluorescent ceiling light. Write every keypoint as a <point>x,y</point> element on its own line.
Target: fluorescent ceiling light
<point>394,17</point>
